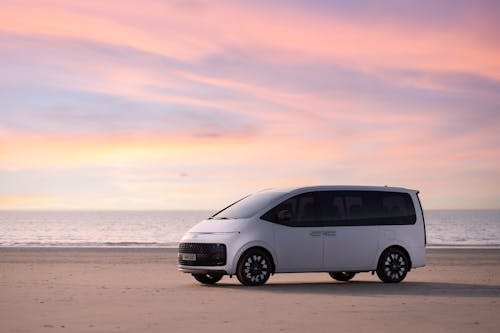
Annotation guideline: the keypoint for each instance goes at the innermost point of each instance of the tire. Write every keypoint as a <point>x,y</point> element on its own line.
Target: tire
<point>393,266</point>
<point>342,276</point>
<point>208,278</point>
<point>254,268</point>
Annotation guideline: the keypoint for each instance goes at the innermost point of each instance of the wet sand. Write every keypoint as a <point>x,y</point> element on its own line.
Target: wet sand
<point>140,290</point>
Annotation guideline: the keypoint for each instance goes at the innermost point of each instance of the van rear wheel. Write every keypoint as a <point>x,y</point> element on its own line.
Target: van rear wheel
<point>342,276</point>
<point>392,266</point>
<point>208,278</point>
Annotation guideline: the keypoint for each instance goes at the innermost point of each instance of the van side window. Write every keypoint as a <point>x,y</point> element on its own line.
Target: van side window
<point>334,207</point>
<point>344,208</point>
<point>354,206</point>
<point>398,208</point>
<point>393,205</point>
<point>301,211</point>
<point>364,208</point>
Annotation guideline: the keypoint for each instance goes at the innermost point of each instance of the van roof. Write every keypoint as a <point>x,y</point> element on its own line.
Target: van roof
<point>342,188</point>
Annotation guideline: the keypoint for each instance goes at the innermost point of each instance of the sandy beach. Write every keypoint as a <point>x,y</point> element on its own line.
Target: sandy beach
<point>140,290</point>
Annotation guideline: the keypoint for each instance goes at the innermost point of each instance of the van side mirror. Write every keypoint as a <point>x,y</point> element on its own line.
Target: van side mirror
<point>284,215</point>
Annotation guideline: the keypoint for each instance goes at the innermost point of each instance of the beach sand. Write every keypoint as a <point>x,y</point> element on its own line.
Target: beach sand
<point>140,290</point>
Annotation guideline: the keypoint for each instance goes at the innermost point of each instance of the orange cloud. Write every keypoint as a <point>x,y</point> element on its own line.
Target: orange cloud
<point>24,201</point>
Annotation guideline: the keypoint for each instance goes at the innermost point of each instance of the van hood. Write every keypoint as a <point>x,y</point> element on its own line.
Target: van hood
<point>229,225</point>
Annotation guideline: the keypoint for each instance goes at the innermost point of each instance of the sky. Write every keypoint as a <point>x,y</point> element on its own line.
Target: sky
<point>193,104</point>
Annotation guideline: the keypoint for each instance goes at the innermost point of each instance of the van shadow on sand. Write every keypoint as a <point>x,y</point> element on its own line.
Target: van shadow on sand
<point>374,288</point>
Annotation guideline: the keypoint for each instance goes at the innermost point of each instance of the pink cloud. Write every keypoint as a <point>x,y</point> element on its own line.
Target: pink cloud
<point>268,33</point>
<point>371,124</point>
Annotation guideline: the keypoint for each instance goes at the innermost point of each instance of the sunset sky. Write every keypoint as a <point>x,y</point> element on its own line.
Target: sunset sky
<point>192,104</point>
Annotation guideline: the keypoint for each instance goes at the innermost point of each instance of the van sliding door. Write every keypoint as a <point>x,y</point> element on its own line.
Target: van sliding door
<point>350,242</point>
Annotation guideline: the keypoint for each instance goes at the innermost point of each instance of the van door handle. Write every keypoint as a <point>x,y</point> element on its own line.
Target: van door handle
<point>330,233</point>
<point>315,233</point>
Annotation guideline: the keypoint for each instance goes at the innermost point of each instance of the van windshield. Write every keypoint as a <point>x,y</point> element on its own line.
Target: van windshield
<point>248,206</point>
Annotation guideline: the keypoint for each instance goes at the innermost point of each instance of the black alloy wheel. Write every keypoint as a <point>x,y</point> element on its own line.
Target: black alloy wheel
<point>393,266</point>
<point>254,268</point>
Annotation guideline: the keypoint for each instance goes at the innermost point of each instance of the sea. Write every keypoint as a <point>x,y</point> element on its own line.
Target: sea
<point>445,228</point>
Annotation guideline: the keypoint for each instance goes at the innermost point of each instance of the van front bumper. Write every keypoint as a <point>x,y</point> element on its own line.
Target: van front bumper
<point>192,270</point>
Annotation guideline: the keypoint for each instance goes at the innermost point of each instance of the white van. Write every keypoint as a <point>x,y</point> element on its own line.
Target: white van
<point>342,230</point>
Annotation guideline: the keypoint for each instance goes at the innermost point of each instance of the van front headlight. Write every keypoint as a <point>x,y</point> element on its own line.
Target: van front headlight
<point>217,233</point>
<point>210,234</point>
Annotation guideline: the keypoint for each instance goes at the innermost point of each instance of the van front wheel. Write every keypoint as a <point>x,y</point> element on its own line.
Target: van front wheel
<point>392,266</point>
<point>342,276</point>
<point>254,268</point>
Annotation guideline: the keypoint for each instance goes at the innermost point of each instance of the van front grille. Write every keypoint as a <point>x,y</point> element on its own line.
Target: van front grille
<point>206,254</point>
